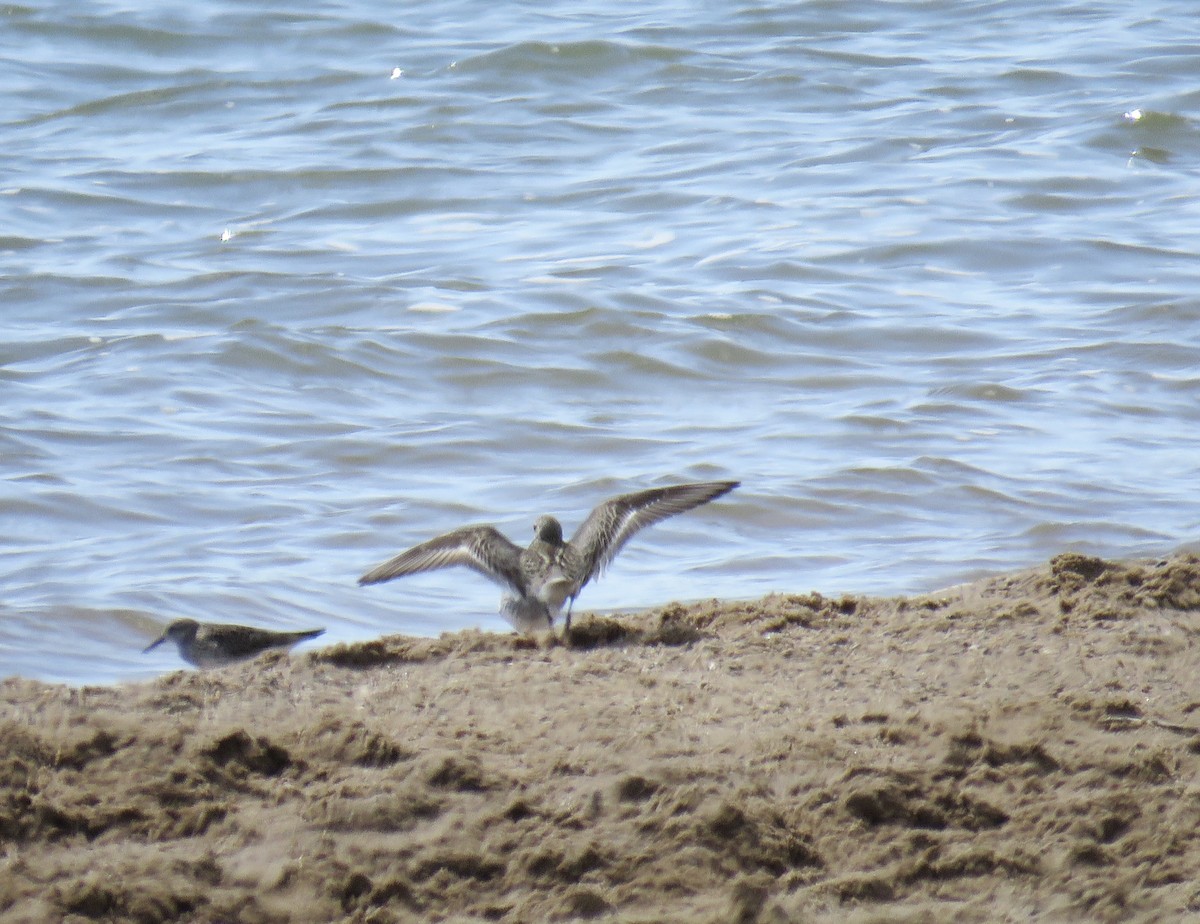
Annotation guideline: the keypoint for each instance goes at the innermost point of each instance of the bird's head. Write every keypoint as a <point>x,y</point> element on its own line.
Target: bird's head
<point>548,529</point>
<point>180,630</point>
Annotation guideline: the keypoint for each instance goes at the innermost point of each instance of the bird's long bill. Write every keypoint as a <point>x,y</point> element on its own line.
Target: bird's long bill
<point>154,644</point>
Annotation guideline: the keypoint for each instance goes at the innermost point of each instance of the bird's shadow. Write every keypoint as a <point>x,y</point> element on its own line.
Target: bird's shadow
<point>671,626</point>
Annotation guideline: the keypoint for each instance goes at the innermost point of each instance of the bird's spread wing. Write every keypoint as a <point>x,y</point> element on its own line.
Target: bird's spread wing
<point>607,528</point>
<point>481,548</point>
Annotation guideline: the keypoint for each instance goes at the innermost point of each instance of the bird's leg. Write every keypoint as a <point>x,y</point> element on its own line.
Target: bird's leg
<point>567,624</point>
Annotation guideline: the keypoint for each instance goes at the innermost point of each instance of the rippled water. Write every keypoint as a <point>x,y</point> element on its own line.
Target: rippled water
<point>286,290</point>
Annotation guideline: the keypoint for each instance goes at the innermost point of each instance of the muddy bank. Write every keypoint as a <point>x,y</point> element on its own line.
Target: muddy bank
<point>1023,748</point>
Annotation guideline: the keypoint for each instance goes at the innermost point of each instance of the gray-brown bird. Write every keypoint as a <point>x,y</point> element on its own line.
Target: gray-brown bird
<point>538,580</point>
<point>218,644</point>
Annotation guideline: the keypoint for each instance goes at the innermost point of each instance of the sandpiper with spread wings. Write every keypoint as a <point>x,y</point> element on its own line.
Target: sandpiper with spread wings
<point>539,579</point>
<point>218,644</point>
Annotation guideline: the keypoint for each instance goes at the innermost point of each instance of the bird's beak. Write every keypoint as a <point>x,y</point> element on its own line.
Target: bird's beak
<point>154,644</point>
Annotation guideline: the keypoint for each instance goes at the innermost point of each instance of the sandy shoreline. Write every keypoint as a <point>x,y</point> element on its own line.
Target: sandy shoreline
<point>1023,748</point>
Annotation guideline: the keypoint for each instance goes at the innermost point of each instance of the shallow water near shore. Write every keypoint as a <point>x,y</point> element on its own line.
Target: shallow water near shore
<point>288,291</point>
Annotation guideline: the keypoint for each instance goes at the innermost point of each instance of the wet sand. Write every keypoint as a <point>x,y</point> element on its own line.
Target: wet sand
<point>1022,748</point>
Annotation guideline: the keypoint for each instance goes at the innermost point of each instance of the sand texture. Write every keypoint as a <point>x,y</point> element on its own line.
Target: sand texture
<point>1022,748</point>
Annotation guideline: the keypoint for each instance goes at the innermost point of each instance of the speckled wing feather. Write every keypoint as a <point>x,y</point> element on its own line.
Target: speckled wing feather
<point>606,530</point>
<point>480,548</point>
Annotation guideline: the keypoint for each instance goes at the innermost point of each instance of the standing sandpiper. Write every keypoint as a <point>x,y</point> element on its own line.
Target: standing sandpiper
<point>218,644</point>
<point>540,579</point>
